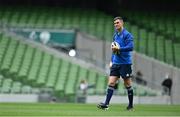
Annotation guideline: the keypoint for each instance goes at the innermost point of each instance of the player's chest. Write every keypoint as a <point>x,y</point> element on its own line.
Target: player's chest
<point>120,39</point>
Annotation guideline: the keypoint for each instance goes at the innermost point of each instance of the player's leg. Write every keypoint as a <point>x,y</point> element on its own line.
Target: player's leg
<point>126,73</point>
<point>127,84</point>
<point>110,90</point>
<point>114,76</point>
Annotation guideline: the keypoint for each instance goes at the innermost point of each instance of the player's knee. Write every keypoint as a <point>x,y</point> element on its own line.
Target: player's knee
<point>111,84</point>
<point>127,84</point>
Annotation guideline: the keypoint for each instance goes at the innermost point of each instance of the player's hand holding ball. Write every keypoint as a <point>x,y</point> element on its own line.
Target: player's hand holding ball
<point>115,47</point>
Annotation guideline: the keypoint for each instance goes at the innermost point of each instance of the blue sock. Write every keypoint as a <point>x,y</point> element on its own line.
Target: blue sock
<point>109,94</point>
<point>130,95</point>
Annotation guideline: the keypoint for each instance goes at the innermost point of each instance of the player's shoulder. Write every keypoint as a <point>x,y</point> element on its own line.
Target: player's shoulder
<point>127,33</point>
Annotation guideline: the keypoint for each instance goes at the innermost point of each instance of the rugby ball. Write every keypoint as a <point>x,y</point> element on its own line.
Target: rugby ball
<point>115,45</point>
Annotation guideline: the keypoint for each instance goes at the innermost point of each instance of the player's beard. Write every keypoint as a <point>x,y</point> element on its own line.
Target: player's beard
<point>119,29</point>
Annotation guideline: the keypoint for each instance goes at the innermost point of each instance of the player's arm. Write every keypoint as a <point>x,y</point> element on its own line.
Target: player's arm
<point>129,44</point>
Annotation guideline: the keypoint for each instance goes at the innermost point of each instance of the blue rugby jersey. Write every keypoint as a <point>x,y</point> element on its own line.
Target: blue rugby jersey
<point>125,40</point>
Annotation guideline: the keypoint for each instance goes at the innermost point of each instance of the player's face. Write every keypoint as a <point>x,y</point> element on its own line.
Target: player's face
<point>118,24</point>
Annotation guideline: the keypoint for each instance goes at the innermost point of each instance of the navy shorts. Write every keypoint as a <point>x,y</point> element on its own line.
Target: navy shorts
<point>123,70</point>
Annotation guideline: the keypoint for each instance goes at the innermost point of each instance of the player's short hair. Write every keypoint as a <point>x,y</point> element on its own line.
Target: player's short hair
<point>118,18</point>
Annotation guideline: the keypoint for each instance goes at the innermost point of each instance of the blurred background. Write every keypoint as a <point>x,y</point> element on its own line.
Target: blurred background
<point>59,50</point>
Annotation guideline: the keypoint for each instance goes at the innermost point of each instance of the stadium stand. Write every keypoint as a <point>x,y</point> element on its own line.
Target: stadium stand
<point>156,34</point>
<point>43,18</point>
<point>158,29</point>
<point>27,69</point>
<point>166,23</point>
<point>24,69</point>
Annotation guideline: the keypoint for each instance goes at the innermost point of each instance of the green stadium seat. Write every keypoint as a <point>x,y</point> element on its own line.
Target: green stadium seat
<point>3,44</point>
<point>72,78</point>
<point>17,60</point>
<point>151,41</point>
<point>26,63</point>
<point>53,73</point>
<point>92,79</point>
<point>9,55</point>
<point>16,87</point>
<point>26,89</point>
<point>81,76</point>
<point>177,48</point>
<point>35,66</point>
<point>160,47</point>
<point>142,41</point>
<point>1,80</point>
<point>35,90</point>
<point>6,86</point>
<point>42,75</point>
<point>101,84</point>
<point>169,51</point>
<point>121,89</point>
<point>62,77</point>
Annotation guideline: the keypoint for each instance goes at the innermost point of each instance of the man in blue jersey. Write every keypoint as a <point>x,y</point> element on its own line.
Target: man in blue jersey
<point>120,64</point>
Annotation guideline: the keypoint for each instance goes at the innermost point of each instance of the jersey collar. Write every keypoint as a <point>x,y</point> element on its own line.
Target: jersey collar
<point>119,33</point>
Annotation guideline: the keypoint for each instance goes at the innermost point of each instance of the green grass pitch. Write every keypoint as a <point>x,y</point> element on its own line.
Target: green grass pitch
<point>83,110</point>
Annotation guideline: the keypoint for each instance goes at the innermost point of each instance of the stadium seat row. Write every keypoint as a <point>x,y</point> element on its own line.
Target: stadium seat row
<point>36,68</point>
